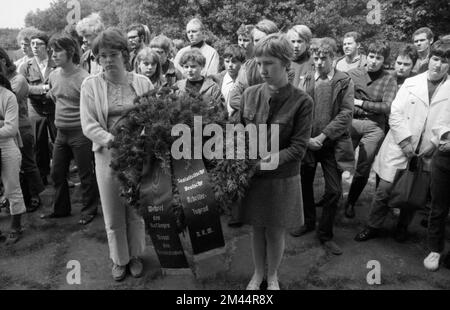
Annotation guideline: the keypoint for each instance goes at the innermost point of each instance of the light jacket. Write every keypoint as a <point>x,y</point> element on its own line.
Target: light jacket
<point>9,116</point>
<point>94,106</point>
<point>411,114</point>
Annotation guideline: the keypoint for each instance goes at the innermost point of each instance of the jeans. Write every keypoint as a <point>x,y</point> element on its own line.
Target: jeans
<point>10,161</point>
<point>333,190</point>
<point>33,181</point>
<point>68,144</point>
<point>380,207</point>
<point>369,136</point>
<point>440,200</point>
<point>125,229</point>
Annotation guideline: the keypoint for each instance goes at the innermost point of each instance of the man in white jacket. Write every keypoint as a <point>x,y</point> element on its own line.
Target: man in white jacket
<point>414,112</point>
<point>196,34</point>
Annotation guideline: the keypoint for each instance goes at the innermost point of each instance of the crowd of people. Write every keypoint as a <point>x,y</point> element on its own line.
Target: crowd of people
<point>60,103</point>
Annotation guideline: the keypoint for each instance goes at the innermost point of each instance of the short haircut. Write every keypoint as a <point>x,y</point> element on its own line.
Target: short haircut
<point>353,34</point>
<point>41,36</point>
<point>326,46</point>
<point>267,26</point>
<point>275,45</point>
<point>303,31</point>
<point>25,34</point>
<point>380,48</point>
<point>162,42</point>
<point>235,52</point>
<point>114,39</point>
<point>10,66</point>
<point>148,53</point>
<point>425,30</point>
<point>139,28</point>
<point>441,48</point>
<point>67,43</point>
<point>90,25</point>
<point>245,30</point>
<point>410,51</point>
<point>197,22</point>
<point>194,55</point>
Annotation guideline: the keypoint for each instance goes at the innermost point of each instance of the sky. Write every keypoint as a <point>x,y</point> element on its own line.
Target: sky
<point>13,12</point>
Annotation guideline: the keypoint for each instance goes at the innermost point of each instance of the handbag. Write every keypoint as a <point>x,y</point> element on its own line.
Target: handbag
<point>410,186</point>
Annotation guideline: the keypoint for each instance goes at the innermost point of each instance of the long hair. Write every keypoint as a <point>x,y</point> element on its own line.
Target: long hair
<point>10,67</point>
<point>4,82</point>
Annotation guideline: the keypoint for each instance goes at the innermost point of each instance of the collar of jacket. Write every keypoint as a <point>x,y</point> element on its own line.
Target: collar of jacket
<point>418,85</point>
<point>207,84</point>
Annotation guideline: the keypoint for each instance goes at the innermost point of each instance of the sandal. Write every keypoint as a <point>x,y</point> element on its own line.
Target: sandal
<point>52,216</point>
<point>13,237</point>
<point>86,219</point>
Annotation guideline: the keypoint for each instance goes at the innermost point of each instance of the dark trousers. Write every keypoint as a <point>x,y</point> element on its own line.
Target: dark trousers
<point>45,132</point>
<point>73,144</point>
<point>31,175</point>
<point>380,207</point>
<point>440,200</point>
<point>369,136</point>
<point>333,190</point>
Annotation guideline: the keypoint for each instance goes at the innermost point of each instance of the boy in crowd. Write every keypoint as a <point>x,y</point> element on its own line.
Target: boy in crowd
<point>41,110</point>
<point>423,39</point>
<point>333,95</point>
<point>65,84</point>
<point>193,63</point>
<point>352,57</point>
<point>195,31</point>
<point>162,45</point>
<point>233,58</point>
<point>404,63</point>
<point>375,90</point>
<point>88,28</point>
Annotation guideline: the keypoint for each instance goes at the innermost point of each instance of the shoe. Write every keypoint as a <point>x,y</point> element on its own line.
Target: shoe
<point>52,216</point>
<point>35,203</point>
<point>273,285</point>
<point>446,261</point>
<point>13,237</point>
<point>349,211</point>
<point>253,285</point>
<point>71,184</point>
<point>431,262</point>
<point>2,237</point>
<point>86,219</point>
<point>424,223</point>
<point>136,267</point>
<point>366,234</point>
<point>401,235</point>
<point>332,247</point>
<point>302,230</point>
<point>234,224</point>
<point>119,272</point>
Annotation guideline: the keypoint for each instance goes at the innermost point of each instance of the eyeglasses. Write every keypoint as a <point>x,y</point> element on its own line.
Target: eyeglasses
<point>34,43</point>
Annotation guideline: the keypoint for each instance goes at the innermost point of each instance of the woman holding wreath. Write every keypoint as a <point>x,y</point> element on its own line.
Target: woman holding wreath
<point>273,202</point>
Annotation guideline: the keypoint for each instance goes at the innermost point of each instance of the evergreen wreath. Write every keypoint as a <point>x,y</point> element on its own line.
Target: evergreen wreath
<point>147,126</point>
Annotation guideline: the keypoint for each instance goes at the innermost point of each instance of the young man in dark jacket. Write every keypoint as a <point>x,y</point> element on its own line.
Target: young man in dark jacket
<point>330,144</point>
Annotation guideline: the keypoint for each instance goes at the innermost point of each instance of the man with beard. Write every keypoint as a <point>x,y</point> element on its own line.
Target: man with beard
<point>136,39</point>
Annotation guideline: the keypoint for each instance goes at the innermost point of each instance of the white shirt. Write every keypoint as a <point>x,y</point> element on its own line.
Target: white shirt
<point>329,75</point>
<point>227,85</point>
<point>42,65</point>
